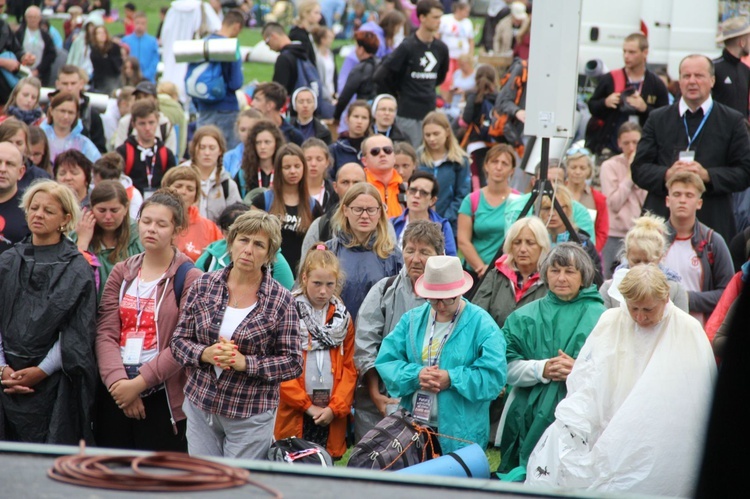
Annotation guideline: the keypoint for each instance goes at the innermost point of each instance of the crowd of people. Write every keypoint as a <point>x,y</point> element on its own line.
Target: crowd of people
<point>305,262</point>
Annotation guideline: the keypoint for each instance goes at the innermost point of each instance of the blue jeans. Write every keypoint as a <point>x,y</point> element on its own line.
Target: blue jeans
<point>224,120</point>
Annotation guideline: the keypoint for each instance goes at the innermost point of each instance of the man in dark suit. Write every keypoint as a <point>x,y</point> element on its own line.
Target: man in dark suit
<point>697,135</point>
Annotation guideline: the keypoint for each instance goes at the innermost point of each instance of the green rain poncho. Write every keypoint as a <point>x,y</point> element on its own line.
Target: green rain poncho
<point>536,332</point>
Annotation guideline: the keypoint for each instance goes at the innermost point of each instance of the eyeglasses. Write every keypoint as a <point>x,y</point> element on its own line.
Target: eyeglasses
<point>375,151</point>
<point>359,210</point>
<point>418,192</point>
<point>444,301</point>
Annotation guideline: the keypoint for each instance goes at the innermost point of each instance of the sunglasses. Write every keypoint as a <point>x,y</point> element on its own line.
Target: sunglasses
<point>375,151</point>
<point>418,192</point>
<point>578,150</point>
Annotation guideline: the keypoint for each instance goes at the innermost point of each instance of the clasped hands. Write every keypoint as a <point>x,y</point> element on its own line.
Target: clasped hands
<point>558,368</point>
<point>224,354</point>
<point>688,166</point>
<point>21,382</point>
<point>433,379</point>
<point>322,416</point>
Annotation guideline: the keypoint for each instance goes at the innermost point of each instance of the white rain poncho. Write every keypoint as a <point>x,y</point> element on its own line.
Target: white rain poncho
<point>635,415</point>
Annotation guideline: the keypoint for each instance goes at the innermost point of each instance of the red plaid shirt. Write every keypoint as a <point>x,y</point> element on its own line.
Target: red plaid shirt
<point>268,337</point>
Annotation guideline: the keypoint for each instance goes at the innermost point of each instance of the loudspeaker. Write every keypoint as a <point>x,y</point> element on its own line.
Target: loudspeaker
<point>553,68</point>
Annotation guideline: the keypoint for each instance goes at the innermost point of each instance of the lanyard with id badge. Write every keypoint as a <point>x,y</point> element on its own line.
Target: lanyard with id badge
<point>423,400</point>
<point>149,190</point>
<point>134,341</point>
<point>687,155</point>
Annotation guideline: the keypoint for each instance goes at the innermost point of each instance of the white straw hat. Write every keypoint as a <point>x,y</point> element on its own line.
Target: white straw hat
<point>443,278</point>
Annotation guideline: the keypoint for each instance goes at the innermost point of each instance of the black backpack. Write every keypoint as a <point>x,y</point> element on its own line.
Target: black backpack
<point>397,441</point>
<point>295,450</point>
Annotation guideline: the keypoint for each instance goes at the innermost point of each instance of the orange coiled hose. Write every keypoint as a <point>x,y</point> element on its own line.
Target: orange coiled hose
<point>198,474</point>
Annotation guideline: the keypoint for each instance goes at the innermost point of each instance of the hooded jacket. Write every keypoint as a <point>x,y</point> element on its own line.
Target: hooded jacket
<point>535,332</point>
<point>285,68</point>
<point>75,140</point>
<point>163,368</point>
<point>48,296</point>
<point>342,152</point>
<point>360,83</point>
<point>92,122</point>
<point>214,200</point>
<point>474,356</point>
<point>399,224</point>
<point>500,295</point>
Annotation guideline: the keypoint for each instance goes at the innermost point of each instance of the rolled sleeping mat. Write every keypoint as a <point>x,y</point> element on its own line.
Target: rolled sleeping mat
<point>261,53</point>
<point>98,102</point>
<point>213,50</point>
<point>467,462</point>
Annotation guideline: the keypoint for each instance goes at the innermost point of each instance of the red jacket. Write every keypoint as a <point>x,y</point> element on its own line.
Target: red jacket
<point>295,401</point>
<point>601,224</point>
<point>163,368</point>
<point>731,292</point>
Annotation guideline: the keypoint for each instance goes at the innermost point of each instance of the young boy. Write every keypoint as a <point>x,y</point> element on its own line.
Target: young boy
<point>146,157</point>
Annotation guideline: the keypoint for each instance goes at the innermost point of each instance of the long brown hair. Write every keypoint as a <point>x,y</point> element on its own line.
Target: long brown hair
<point>37,135</point>
<point>278,207</point>
<point>250,159</point>
<point>486,80</point>
<point>112,190</point>
<point>383,244</point>
<point>102,47</point>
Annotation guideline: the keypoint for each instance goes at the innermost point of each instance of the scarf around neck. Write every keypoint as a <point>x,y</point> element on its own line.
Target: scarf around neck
<point>315,336</point>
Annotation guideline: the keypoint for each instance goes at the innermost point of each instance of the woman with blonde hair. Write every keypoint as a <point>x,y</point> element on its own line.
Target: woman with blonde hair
<point>441,155</point>
<point>47,325</point>
<point>362,244</point>
<point>308,17</point>
<point>217,188</point>
<point>645,243</point>
<point>579,163</point>
<point>23,102</point>
<point>558,233</point>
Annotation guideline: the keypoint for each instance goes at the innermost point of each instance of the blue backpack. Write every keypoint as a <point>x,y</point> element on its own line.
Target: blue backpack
<point>204,81</point>
<point>307,76</point>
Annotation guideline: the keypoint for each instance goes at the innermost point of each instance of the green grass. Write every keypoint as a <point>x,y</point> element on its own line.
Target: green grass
<point>248,37</point>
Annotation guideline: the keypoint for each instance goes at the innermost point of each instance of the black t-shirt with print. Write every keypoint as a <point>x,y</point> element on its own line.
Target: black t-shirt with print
<point>291,238</point>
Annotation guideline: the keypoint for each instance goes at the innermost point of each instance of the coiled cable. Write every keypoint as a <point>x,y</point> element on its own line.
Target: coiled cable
<point>131,474</point>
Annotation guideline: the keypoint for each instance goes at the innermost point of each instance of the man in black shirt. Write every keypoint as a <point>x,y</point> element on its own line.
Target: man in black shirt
<point>13,226</point>
<point>414,69</point>
<point>624,94</point>
<point>732,86</point>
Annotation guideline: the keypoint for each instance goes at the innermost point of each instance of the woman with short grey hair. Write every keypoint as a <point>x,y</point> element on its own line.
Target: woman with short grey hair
<point>544,339</point>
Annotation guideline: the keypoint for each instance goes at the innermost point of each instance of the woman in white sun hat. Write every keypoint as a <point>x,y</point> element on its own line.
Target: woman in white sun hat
<point>445,359</point>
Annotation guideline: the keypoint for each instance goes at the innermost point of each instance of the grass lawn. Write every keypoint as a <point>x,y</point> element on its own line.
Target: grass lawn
<point>248,37</point>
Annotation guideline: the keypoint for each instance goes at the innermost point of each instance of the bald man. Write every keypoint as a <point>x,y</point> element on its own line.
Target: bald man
<point>37,43</point>
<point>13,226</point>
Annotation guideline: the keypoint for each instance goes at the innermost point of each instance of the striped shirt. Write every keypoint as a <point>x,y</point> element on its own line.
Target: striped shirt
<point>268,337</point>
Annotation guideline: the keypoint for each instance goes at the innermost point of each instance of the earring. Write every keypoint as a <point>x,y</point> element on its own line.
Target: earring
<point>62,228</point>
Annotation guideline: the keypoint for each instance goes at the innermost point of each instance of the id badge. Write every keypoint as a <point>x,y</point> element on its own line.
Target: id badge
<point>423,406</point>
<point>633,118</point>
<point>148,192</point>
<point>321,397</point>
<point>687,156</point>
<point>133,348</point>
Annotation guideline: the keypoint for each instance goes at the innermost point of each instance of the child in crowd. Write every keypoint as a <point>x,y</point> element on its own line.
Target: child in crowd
<point>245,121</point>
<point>200,232</point>
<point>318,159</point>
<point>23,102</point>
<point>290,200</point>
<point>146,157</point>
<point>316,405</point>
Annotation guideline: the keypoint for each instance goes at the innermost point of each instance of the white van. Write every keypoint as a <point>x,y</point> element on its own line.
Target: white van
<point>675,28</point>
